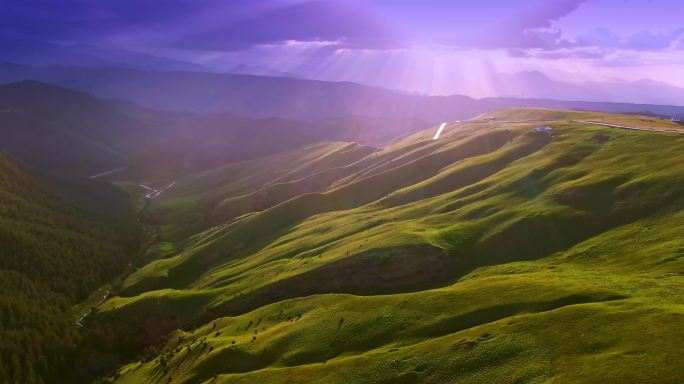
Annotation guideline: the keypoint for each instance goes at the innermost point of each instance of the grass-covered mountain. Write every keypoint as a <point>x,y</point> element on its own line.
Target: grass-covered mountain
<point>58,243</point>
<point>494,254</point>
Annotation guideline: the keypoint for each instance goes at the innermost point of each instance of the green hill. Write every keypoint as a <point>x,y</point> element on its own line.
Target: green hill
<point>495,254</point>
<point>57,245</point>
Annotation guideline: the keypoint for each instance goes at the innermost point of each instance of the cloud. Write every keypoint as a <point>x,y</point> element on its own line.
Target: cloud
<point>569,53</point>
<point>84,19</point>
<point>203,25</point>
<point>318,27</point>
<point>533,32</point>
<point>598,37</point>
<point>345,23</point>
<point>640,41</point>
<point>531,28</point>
<point>603,44</point>
<point>649,41</point>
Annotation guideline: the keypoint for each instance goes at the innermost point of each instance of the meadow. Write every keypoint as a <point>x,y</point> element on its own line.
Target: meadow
<point>493,254</point>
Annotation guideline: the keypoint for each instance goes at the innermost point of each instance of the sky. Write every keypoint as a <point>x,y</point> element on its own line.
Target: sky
<point>426,46</point>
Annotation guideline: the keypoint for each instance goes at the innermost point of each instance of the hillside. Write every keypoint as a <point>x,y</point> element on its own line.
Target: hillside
<point>57,245</point>
<point>493,254</point>
<point>203,142</point>
<point>75,134</point>
<point>66,132</point>
<point>290,98</point>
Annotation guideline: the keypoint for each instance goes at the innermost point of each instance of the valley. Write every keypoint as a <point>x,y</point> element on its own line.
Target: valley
<point>341,192</point>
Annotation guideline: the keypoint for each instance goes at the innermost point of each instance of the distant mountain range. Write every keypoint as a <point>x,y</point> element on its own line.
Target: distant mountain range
<point>39,52</point>
<point>244,69</point>
<point>266,96</point>
<point>67,132</point>
<point>523,84</point>
<point>535,84</point>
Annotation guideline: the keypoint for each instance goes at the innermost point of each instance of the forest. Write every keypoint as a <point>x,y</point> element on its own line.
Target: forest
<point>54,251</point>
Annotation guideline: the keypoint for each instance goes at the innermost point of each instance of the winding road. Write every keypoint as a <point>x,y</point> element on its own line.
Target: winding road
<point>105,173</point>
<point>152,193</point>
<point>680,131</point>
<point>631,128</point>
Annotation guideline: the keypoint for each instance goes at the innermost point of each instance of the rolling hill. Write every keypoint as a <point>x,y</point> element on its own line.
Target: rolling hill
<point>497,253</point>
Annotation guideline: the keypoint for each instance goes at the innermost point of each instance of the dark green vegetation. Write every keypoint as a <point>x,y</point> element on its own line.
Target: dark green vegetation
<point>58,243</point>
<point>492,255</point>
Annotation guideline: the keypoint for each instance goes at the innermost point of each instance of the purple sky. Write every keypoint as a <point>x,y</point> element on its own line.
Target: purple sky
<point>431,46</point>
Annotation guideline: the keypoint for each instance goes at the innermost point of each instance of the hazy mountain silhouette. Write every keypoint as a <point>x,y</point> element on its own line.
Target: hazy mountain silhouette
<point>38,52</point>
<point>266,96</point>
<point>535,84</point>
<point>257,70</point>
<point>76,134</point>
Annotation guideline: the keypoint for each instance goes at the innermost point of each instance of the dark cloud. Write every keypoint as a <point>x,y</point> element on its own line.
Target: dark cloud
<point>601,43</point>
<point>530,29</point>
<point>205,25</point>
<point>87,20</point>
<point>346,23</point>
<point>236,25</point>
<point>532,33</point>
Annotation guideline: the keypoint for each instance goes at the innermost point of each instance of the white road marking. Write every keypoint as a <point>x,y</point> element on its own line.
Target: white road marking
<point>439,131</point>
<point>115,170</point>
<point>630,128</point>
<point>155,192</point>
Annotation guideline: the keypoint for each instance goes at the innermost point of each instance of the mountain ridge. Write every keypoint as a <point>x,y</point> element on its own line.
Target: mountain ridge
<point>264,96</point>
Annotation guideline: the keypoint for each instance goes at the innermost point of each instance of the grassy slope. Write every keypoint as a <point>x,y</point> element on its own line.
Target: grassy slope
<point>491,255</point>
